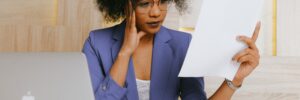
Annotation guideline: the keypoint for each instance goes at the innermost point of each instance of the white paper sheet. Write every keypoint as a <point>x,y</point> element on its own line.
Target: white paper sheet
<point>214,41</point>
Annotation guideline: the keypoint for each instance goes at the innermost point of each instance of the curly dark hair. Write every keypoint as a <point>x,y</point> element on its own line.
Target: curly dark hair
<point>113,10</point>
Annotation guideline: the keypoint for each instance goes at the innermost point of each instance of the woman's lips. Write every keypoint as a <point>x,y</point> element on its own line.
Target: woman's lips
<point>153,24</point>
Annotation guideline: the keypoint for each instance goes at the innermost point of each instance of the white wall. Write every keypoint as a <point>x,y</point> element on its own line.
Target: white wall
<point>175,20</point>
<point>288,28</point>
<point>264,41</point>
<point>189,19</point>
<point>288,36</point>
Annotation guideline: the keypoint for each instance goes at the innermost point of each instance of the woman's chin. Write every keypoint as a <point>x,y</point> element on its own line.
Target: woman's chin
<point>153,30</point>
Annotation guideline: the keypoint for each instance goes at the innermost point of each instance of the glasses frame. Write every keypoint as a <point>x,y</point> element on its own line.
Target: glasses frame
<point>145,10</point>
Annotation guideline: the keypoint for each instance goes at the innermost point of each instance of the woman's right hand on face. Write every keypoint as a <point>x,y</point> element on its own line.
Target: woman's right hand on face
<point>132,36</point>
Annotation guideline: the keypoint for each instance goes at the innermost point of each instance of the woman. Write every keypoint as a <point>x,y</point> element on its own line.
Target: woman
<point>140,59</point>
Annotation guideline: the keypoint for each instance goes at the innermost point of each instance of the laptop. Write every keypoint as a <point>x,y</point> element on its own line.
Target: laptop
<point>44,76</point>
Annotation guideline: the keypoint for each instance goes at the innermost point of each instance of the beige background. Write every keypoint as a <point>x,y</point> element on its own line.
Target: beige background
<point>288,27</point>
<point>46,25</point>
<point>63,25</point>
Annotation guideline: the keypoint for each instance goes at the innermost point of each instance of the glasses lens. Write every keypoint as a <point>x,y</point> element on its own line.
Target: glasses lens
<point>144,6</point>
<point>163,4</point>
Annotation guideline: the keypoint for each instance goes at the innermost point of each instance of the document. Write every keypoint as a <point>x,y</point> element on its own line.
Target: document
<point>214,42</point>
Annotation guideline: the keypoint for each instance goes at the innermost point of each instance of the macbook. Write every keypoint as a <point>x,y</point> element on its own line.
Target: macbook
<point>44,76</point>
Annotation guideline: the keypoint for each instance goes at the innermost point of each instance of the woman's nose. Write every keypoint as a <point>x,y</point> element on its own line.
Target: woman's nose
<point>155,11</point>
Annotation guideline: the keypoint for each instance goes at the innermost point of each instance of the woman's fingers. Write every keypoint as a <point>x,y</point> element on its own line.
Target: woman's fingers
<point>129,15</point>
<point>244,53</point>
<point>132,19</point>
<point>249,41</point>
<point>256,31</point>
<point>132,35</point>
<point>247,58</point>
<point>133,23</point>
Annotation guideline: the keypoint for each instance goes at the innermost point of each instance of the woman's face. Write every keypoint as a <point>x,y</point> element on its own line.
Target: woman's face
<point>150,15</point>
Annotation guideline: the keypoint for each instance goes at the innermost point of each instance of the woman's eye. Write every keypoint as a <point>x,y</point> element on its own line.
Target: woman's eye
<point>144,4</point>
<point>164,1</point>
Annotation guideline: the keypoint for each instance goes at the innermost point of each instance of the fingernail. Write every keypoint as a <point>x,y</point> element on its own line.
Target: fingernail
<point>238,38</point>
<point>235,61</point>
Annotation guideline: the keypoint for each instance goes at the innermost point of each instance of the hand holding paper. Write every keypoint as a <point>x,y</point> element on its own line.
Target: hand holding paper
<point>249,56</point>
<point>214,42</point>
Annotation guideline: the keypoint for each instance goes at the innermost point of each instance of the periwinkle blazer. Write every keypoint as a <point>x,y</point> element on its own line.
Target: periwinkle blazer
<point>169,50</point>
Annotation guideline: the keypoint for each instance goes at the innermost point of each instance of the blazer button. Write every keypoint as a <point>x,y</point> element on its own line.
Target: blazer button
<point>104,87</point>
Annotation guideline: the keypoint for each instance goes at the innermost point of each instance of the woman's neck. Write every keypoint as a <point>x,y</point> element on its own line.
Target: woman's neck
<point>147,39</point>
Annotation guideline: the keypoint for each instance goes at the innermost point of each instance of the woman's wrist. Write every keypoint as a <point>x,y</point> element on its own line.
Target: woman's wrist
<point>125,53</point>
<point>237,82</point>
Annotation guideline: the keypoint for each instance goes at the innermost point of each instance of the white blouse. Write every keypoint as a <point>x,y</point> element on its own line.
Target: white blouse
<point>143,87</point>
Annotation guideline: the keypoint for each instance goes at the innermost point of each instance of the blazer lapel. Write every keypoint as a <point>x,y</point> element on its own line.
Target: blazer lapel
<point>118,35</point>
<point>161,64</point>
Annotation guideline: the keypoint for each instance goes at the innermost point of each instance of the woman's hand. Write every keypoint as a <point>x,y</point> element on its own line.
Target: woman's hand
<point>132,36</point>
<point>249,57</point>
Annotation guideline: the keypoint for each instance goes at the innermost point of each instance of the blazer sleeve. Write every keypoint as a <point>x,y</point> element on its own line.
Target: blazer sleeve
<point>104,87</point>
<point>192,89</point>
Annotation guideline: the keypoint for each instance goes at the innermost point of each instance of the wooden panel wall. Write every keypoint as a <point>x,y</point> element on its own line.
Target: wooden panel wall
<point>63,25</point>
<point>46,25</point>
<point>28,11</point>
<point>288,28</point>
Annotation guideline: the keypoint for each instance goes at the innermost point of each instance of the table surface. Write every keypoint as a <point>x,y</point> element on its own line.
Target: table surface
<point>276,78</point>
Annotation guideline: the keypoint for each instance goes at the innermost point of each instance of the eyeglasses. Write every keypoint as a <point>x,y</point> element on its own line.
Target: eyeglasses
<point>144,6</point>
